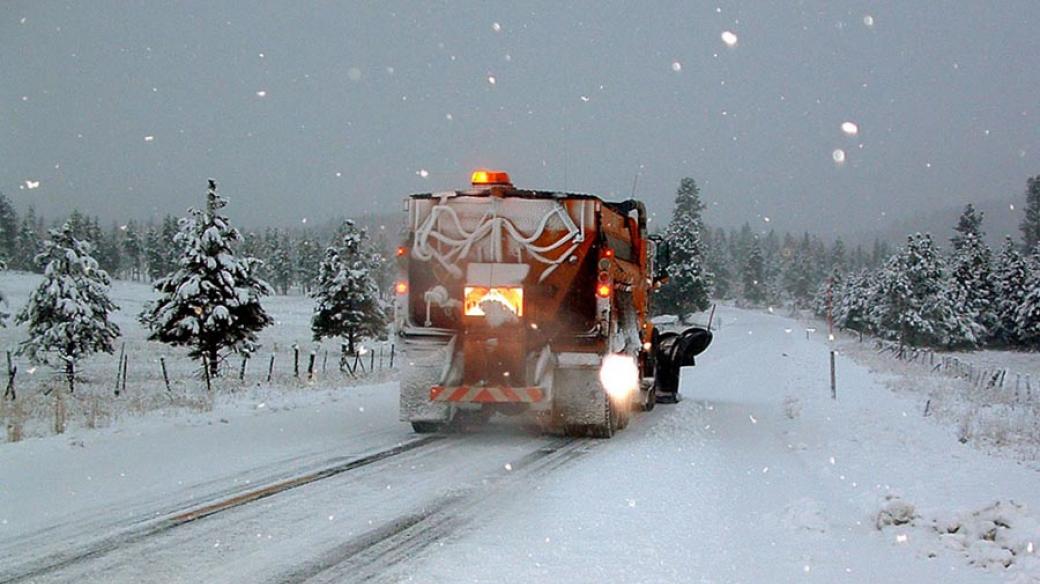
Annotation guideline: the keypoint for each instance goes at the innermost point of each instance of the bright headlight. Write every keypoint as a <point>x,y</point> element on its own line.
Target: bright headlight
<point>619,375</point>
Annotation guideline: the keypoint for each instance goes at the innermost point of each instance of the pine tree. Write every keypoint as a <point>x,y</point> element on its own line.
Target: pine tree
<point>911,304</point>
<point>969,223</point>
<point>3,299</point>
<point>308,259</point>
<point>283,268</point>
<point>109,249</point>
<point>68,312</point>
<point>348,303</point>
<point>154,253</point>
<point>971,278</point>
<point>853,302</point>
<point>133,250</point>
<point>28,244</point>
<point>1031,223</point>
<point>753,275</point>
<point>8,229</point>
<point>211,303</point>
<point>798,276</point>
<point>1028,317</point>
<point>1011,277</point>
<point>690,285</point>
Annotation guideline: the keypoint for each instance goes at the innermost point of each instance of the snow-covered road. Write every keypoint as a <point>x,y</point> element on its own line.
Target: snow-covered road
<point>757,476</point>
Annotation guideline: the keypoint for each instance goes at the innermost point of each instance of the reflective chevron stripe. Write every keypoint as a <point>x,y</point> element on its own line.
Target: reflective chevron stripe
<point>486,394</point>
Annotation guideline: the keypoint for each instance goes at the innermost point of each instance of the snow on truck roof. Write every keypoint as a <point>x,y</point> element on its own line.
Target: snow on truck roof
<point>622,207</point>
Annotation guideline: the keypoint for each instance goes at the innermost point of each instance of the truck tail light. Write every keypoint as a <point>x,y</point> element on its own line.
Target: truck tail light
<point>603,290</point>
<point>401,287</point>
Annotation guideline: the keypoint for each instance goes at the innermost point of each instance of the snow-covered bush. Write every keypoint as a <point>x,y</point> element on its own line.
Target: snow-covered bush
<point>211,303</point>
<point>68,313</point>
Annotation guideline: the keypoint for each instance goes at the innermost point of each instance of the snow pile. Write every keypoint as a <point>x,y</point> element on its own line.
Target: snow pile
<point>1000,536</point>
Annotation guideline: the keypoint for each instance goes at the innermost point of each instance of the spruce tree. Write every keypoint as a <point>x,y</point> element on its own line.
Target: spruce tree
<point>1011,278</point>
<point>911,304</point>
<point>348,303</point>
<point>1028,317</point>
<point>308,259</point>
<point>211,302</point>
<point>969,223</point>
<point>283,268</point>
<point>690,284</point>
<point>154,254</point>
<point>133,250</point>
<point>68,312</point>
<point>971,279</point>
<point>8,229</point>
<point>753,274</point>
<point>853,301</point>
<point>28,244</point>
<point>1031,222</point>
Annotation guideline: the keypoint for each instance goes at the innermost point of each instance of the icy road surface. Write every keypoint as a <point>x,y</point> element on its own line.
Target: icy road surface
<point>757,476</point>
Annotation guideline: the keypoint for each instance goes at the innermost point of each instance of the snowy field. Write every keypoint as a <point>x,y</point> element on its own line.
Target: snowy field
<point>756,476</point>
<point>95,403</point>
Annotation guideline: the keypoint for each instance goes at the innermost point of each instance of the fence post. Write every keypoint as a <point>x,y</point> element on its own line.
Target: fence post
<point>372,361</point>
<point>126,365</point>
<point>119,367</point>
<point>295,361</point>
<point>310,367</point>
<point>11,371</point>
<point>205,369</point>
<point>165,375</point>
<point>270,367</point>
<point>392,356</point>
<point>324,361</point>
<point>834,383</point>
<point>242,370</point>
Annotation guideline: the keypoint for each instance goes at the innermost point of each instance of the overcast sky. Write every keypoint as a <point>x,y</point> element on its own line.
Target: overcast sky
<point>313,109</point>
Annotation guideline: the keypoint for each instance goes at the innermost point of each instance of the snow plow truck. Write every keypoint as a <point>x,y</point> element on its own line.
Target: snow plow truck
<point>531,303</point>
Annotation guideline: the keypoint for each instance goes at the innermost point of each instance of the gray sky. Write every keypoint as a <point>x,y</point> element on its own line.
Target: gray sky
<point>312,109</point>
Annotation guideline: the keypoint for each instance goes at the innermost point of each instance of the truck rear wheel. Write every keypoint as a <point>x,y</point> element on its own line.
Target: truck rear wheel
<point>427,427</point>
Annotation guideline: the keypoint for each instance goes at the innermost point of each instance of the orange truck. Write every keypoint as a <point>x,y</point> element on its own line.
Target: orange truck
<point>531,303</point>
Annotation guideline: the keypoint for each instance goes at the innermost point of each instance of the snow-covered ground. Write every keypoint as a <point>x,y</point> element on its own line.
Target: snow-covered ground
<point>756,476</point>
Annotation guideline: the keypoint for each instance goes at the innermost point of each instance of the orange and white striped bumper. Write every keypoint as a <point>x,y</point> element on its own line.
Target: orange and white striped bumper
<point>484,394</point>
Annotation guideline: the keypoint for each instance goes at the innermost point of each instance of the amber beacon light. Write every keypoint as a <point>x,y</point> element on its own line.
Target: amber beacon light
<point>485,177</point>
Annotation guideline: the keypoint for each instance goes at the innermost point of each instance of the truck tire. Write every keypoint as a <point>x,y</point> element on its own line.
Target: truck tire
<point>427,427</point>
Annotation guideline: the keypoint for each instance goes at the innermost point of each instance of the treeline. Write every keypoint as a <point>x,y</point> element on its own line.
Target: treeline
<point>968,298</point>
<point>706,263</point>
<point>146,251</point>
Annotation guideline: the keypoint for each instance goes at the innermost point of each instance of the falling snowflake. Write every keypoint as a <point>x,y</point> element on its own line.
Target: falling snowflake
<point>261,93</point>
<point>508,466</point>
<point>676,66</point>
<point>868,20</point>
<point>850,128</point>
<point>729,38</point>
<point>423,172</point>
<point>585,98</point>
<point>496,27</point>
<point>838,155</point>
<point>149,138</point>
<point>32,184</point>
<point>491,79</point>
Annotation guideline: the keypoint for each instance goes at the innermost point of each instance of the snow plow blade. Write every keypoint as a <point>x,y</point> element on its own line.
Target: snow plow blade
<point>675,351</point>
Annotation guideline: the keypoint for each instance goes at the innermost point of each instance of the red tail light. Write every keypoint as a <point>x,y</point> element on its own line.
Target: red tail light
<point>401,287</point>
<point>603,291</point>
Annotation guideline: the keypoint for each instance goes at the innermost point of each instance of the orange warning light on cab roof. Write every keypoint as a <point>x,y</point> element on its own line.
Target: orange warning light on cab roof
<point>489,177</point>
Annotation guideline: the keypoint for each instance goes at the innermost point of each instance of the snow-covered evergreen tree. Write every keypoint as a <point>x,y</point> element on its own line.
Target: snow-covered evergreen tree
<point>28,244</point>
<point>8,229</point>
<point>283,268</point>
<point>690,284</point>
<point>968,224</point>
<point>211,303</point>
<point>1011,277</point>
<point>3,299</point>
<point>1028,317</point>
<point>1031,222</point>
<point>308,259</point>
<point>911,304</point>
<point>68,312</point>
<point>753,275</point>
<point>971,286</point>
<point>133,250</point>
<point>853,302</point>
<point>347,296</point>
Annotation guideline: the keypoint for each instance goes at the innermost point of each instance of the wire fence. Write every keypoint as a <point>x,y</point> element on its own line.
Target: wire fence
<point>138,378</point>
<point>1014,386</point>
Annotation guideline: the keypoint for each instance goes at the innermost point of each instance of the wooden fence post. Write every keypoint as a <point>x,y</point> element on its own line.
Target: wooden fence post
<point>834,384</point>
<point>296,360</point>
<point>165,375</point>
<point>126,365</point>
<point>205,368</point>
<point>242,370</point>
<point>119,367</point>
<point>270,367</point>
<point>392,356</point>
<point>310,367</point>
<point>12,370</point>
